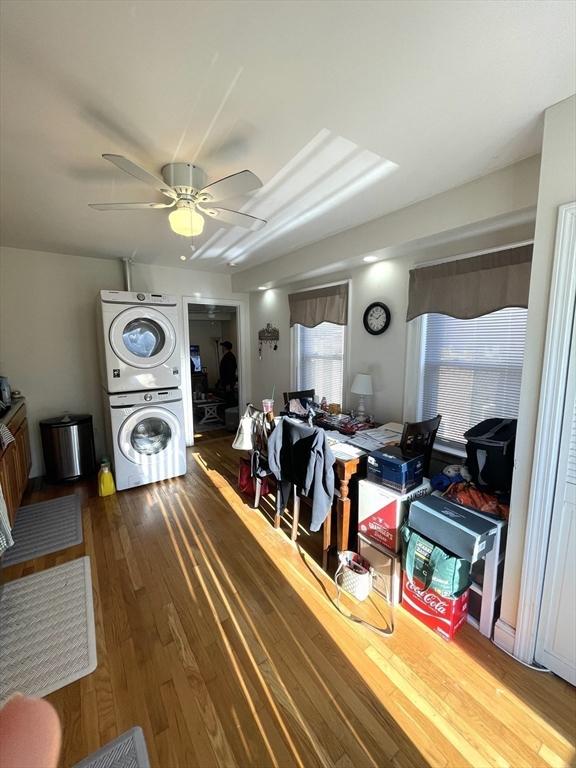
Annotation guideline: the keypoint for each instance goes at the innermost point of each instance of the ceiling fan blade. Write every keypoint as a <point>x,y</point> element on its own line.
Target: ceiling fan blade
<point>235,218</point>
<point>129,206</point>
<point>232,186</point>
<point>141,174</point>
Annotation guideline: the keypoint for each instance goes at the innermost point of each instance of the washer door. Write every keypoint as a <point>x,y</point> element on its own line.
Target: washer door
<point>142,337</point>
<point>148,435</point>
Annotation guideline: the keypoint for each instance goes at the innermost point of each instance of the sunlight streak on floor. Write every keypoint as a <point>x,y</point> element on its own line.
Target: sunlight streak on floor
<point>215,558</point>
<point>230,651</point>
<point>384,654</point>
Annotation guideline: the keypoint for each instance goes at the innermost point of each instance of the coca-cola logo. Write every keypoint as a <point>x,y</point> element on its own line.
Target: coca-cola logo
<point>429,598</point>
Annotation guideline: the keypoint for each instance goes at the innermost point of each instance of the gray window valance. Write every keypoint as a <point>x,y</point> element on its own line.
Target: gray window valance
<point>321,305</point>
<point>472,287</point>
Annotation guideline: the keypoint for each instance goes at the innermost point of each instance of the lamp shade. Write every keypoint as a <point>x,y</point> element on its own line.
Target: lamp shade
<point>362,384</point>
<point>185,221</point>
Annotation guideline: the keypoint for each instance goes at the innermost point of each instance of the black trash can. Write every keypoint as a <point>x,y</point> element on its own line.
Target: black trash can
<point>68,447</point>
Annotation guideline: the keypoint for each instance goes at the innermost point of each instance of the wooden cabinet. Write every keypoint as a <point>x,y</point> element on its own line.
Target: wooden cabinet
<point>15,459</point>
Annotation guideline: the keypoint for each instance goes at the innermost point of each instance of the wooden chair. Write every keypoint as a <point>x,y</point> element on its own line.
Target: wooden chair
<point>327,525</point>
<point>418,439</point>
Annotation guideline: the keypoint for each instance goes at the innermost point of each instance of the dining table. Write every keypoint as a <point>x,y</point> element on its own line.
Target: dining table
<point>347,468</point>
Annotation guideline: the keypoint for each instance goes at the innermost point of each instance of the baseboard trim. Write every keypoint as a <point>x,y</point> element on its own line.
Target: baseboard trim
<point>504,636</point>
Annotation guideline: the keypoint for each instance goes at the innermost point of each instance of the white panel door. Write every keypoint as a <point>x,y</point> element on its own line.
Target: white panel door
<point>556,640</point>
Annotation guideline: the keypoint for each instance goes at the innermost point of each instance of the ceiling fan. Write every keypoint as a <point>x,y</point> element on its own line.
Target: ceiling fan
<point>184,184</point>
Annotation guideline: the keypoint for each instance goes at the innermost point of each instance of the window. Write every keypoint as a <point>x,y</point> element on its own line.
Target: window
<point>470,370</point>
<point>319,360</point>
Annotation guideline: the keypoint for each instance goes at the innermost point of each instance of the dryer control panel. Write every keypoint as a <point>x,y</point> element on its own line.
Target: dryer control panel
<point>137,297</point>
<point>130,399</point>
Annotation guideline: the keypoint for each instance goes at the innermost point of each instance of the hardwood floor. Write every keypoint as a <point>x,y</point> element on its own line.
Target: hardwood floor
<point>216,636</point>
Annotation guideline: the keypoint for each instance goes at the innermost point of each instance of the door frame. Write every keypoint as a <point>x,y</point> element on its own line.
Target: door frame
<point>243,355</point>
<point>549,428</point>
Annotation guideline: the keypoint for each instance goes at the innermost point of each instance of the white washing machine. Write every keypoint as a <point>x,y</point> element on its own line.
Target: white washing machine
<point>140,346</point>
<point>146,430</point>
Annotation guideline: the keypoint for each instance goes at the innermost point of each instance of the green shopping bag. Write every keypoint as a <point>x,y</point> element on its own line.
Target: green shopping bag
<point>432,566</point>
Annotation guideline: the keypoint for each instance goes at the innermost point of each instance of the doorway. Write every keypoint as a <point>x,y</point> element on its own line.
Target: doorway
<point>213,370</point>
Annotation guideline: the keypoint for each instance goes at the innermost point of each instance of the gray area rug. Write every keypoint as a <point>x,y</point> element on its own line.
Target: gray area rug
<point>127,751</point>
<point>47,632</point>
<point>46,527</point>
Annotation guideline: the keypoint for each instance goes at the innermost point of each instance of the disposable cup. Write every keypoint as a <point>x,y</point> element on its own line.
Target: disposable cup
<point>268,406</point>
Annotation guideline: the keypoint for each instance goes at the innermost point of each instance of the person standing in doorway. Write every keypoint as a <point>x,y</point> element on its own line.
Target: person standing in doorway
<point>228,371</point>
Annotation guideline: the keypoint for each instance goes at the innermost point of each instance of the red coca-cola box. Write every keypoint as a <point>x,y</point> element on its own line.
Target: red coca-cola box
<point>381,512</point>
<point>444,615</point>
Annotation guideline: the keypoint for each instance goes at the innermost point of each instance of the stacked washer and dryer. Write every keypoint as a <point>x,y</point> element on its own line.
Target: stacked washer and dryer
<point>140,363</point>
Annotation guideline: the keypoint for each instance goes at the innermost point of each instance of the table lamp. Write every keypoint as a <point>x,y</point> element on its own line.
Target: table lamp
<point>362,385</point>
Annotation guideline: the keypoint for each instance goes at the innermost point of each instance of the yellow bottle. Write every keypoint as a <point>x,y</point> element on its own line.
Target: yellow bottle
<point>106,485</point>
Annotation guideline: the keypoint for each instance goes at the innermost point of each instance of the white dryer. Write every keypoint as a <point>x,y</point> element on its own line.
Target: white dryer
<point>146,430</point>
<point>140,345</point>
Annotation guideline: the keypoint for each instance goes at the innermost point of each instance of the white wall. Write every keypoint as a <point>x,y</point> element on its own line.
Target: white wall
<point>48,336</point>
<point>382,356</point>
<point>557,186</point>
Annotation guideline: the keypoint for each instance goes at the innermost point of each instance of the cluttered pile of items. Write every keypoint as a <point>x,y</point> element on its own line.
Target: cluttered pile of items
<point>434,545</point>
<point>437,546</point>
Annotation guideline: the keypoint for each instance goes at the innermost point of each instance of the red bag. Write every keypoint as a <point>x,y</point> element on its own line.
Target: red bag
<point>247,483</point>
<point>245,479</point>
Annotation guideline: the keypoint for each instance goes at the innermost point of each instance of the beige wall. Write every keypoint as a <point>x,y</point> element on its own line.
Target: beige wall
<point>48,342</point>
<point>557,186</point>
<point>488,202</point>
<point>48,334</point>
<point>382,356</point>
<point>203,333</point>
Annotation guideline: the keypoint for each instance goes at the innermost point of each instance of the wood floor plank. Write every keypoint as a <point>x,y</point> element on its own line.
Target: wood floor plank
<point>218,636</point>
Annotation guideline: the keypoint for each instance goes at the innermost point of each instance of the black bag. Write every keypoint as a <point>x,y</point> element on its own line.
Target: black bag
<point>490,454</point>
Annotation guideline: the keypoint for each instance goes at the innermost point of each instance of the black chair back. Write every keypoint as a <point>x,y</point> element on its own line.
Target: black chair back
<point>303,394</point>
<point>418,439</point>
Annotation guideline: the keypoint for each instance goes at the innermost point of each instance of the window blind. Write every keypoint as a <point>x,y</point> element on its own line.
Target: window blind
<point>471,370</point>
<point>320,360</point>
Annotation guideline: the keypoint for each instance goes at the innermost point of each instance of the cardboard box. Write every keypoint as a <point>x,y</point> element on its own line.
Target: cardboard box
<point>381,512</point>
<point>390,467</point>
<point>455,528</point>
<point>387,569</point>
<point>443,615</point>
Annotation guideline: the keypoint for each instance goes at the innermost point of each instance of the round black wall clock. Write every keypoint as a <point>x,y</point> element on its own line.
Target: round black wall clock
<point>376,318</point>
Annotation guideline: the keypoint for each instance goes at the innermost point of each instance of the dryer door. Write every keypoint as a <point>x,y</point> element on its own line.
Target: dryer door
<point>142,337</point>
<point>150,435</point>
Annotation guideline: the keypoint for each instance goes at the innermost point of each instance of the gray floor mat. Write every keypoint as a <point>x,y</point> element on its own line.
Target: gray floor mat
<point>46,527</point>
<point>47,632</point>
<point>127,751</point>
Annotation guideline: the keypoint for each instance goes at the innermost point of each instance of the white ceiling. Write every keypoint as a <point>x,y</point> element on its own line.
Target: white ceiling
<point>346,111</point>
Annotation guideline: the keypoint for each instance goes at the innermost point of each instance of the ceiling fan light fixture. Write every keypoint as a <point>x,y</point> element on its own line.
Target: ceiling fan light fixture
<point>185,221</point>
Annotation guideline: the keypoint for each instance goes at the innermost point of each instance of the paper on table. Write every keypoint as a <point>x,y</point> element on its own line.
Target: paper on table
<point>346,451</point>
<point>382,432</point>
<point>366,442</point>
<point>333,436</point>
<point>394,426</point>
<point>372,440</point>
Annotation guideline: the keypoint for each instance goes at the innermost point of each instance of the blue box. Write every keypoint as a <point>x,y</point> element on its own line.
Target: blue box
<point>392,468</point>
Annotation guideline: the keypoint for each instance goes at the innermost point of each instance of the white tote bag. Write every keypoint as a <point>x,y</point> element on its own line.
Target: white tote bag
<point>355,575</point>
<point>244,434</point>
